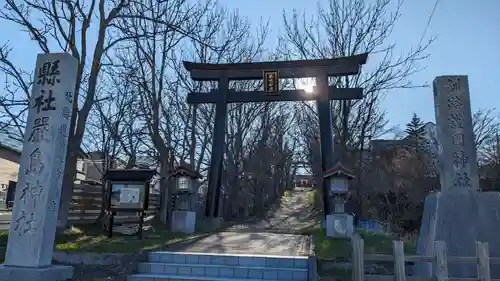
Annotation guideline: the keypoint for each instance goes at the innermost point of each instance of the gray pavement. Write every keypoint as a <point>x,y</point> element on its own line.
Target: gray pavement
<point>277,234</point>
<point>246,243</point>
<point>5,218</point>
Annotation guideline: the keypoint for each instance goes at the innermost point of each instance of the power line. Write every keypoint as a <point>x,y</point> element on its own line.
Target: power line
<point>428,22</point>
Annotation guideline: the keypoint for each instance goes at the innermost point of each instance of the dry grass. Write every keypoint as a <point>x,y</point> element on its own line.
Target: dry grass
<point>89,238</point>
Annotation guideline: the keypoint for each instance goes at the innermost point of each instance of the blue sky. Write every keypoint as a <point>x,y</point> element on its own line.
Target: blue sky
<point>468,42</point>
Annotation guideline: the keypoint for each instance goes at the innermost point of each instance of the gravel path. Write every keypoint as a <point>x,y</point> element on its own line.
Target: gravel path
<point>293,215</point>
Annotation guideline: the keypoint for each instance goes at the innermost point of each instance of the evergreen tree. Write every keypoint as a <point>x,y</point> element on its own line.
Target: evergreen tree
<point>416,130</point>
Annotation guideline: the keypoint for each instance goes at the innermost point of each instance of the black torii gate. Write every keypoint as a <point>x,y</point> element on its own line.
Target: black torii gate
<point>321,69</point>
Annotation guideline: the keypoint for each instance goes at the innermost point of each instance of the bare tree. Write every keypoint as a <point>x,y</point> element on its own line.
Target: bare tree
<point>345,28</point>
<point>486,125</point>
<point>154,64</point>
<point>15,96</point>
<point>229,42</point>
<point>68,26</point>
<point>112,128</point>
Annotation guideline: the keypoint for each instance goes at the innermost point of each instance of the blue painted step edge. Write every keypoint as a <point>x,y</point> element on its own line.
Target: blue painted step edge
<point>162,277</point>
<point>145,264</point>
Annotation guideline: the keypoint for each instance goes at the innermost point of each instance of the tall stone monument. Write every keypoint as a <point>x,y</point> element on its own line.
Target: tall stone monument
<point>459,214</point>
<point>34,217</point>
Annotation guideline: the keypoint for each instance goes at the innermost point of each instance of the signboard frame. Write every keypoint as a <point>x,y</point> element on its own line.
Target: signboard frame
<point>272,76</point>
<point>141,205</point>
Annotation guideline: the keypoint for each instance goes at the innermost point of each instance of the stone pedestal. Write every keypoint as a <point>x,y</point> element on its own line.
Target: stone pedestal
<point>339,225</point>
<point>49,273</point>
<point>183,221</point>
<point>460,219</point>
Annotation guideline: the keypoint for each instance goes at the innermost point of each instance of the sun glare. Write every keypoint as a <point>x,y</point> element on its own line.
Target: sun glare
<point>308,88</point>
<point>307,84</point>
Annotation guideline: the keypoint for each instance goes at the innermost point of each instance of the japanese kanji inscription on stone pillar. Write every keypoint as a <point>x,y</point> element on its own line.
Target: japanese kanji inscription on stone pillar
<point>32,231</point>
<point>454,125</point>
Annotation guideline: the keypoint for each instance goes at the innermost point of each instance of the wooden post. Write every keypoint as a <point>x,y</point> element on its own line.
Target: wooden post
<point>358,256</point>
<point>483,261</point>
<point>325,133</point>
<point>141,223</point>
<point>218,144</point>
<point>441,261</point>
<point>399,260</point>
<point>111,222</point>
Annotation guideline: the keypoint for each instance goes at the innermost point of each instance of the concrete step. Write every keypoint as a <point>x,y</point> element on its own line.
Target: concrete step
<point>235,271</point>
<point>178,266</point>
<point>300,262</point>
<point>164,277</point>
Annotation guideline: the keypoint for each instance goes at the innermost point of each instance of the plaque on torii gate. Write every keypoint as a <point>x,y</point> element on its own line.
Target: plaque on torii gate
<point>271,81</point>
<point>321,69</point>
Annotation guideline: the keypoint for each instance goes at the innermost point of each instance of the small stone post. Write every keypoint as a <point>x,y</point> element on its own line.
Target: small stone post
<point>32,231</point>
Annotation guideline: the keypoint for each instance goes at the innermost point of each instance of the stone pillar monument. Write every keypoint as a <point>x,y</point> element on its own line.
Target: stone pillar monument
<point>34,217</point>
<point>459,214</point>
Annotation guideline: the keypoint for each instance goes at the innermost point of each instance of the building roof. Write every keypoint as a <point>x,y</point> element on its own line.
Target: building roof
<point>129,174</point>
<point>184,170</point>
<point>339,169</point>
<point>145,161</point>
<point>8,141</point>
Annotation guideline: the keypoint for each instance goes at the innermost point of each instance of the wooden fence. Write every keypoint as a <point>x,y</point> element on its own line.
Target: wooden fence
<point>440,260</point>
<point>87,201</point>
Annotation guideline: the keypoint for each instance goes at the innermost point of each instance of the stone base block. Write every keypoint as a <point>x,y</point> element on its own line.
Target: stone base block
<point>217,222</point>
<point>183,221</point>
<point>50,273</point>
<point>460,218</point>
<point>339,225</point>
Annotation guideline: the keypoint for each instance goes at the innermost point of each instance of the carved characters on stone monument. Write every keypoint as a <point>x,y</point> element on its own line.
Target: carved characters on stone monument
<point>53,206</point>
<point>63,133</point>
<point>31,193</point>
<point>63,130</point>
<point>66,113</point>
<point>460,160</point>
<point>453,85</point>
<point>45,101</point>
<point>462,179</point>
<point>68,97</point>
<point>457,138</point>
<point>40,131</point>
<point>49,73</point>
<point>35,162</point>
<point>456,118</point>
<point>455,102</point>
<point>25,223</point>
<point>58,172</point>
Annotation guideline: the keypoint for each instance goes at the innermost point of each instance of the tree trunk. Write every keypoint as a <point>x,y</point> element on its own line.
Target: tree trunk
<point>166,186</point>
<point>67,190</point>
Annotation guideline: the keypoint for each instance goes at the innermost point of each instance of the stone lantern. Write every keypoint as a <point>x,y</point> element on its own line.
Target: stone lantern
<point>338,223</point>
<point>185,180</point>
